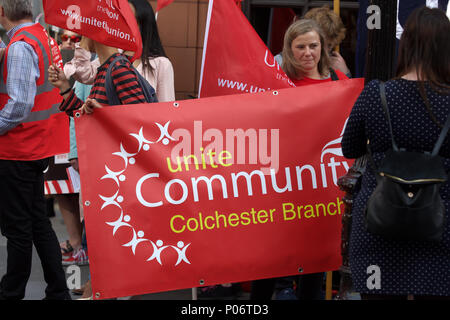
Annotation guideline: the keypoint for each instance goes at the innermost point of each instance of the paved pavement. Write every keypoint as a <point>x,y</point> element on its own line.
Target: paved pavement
<point>36,284</point>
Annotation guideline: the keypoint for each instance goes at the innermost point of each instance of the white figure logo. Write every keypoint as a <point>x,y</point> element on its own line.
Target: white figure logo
<point>181,250</point>
<point>157,249</point>
<point>165,136</point>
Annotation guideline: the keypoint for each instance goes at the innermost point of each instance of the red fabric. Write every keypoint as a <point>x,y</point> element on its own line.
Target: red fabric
<point>140,241</point>
<point>282,19</point>
<point>49,135</point>
<point>306,81</point>
<point>163,3</point>
<point>235,59</point>
<point>109,22</point>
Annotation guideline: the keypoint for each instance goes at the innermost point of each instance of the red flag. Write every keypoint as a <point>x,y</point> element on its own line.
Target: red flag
<point>163,3</point>
<point>235,59</point>
<point>214,190</point>
<point>110,22</point>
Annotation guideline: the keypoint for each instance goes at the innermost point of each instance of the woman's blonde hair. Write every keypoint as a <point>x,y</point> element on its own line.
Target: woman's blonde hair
<point>331,24</point>
<point>298,28</point>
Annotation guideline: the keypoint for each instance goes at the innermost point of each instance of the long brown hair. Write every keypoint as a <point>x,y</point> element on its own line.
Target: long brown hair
<point>425,48</point>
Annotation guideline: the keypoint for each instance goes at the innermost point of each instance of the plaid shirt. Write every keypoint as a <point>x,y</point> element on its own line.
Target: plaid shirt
<point>23,72</point>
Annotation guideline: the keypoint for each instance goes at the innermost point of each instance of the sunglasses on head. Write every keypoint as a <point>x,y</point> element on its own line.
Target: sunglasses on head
<point>65,37</point>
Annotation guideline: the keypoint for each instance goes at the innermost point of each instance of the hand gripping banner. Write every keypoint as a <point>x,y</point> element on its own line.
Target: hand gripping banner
<point>215,190</point>
<point>110,22</point>
<point>235,59</point>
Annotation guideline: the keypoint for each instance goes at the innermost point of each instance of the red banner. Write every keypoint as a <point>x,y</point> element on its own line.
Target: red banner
<point>162,3</point>
<point>235,59</point>
<point>110,22</point>
<point>216,190</point>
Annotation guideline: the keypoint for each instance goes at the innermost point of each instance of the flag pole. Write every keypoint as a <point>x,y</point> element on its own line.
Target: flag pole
<point>337,10</point>
<point>49,44</point>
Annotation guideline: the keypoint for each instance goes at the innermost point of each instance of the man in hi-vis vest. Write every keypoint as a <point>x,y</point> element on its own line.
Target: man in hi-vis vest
<point>31,131</point>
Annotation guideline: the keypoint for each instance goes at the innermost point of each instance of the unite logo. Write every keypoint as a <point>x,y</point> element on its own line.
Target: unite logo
<point>117,200</point>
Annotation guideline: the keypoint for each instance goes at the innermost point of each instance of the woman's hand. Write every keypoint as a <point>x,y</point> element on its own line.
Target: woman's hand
<point>74,164</point>
<point>89,106</point>
<point>2,53</point>
<point>87,44</point>
<point>338,63</point>
<point>57,78</point>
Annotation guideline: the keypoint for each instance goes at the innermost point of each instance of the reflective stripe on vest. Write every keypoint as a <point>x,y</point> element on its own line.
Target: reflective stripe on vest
<point>43,114</point>
<point>46,86</point>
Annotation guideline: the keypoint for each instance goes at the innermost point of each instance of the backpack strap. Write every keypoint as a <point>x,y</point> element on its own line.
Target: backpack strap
<point>386,112</point>
<point>441,138</point>
<point>333,75</point>
<point>113,98</point>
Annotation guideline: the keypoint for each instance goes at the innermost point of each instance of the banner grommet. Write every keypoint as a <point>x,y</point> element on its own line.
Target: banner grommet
<point>275,93</point>
<point>300,270</point>
<point>77,115</point>
<point>176,104</point>
<point>202,282</point>
<point>87,203</point>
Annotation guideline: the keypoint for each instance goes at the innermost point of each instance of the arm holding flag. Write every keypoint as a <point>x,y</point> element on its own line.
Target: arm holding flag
<point>81,68</point>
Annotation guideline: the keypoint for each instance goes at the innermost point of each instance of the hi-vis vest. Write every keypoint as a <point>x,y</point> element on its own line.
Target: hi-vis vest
<point>45,132</point>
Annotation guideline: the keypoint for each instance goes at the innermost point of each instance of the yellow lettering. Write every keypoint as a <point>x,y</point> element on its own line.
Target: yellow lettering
<point>309,210</point>
<point>233,219</point>
<point>169,165</point>
<point>224,220</point>
<point>321,205</point>
<point>271,214</point>
<point>339,204</point>
<point>222,157</point>
<point>245,216</point>
<point>253,212</point>
<point>263,216</point>
<point>211,154</point>
<point>206,223</point>
<point>200,218</point>
<point>188,224</point>
<point>186,162</point>
<point>172,224</point>
<point>331,213</point>
<point>291,210</point>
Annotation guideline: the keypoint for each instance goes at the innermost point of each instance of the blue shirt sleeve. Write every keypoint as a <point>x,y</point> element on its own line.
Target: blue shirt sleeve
<point>23,72</point>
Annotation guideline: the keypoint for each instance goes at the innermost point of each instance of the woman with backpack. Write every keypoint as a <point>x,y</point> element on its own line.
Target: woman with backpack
<point>416,105</point>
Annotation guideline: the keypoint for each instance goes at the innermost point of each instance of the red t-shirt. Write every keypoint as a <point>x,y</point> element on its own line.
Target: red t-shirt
<point>305,81</point>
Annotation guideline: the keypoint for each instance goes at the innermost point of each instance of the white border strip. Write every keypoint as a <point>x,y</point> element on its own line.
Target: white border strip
<point>205,44</point>
<point>63,185</point>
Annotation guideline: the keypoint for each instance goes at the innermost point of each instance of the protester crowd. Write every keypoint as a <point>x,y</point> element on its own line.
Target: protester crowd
<point>418,100</point>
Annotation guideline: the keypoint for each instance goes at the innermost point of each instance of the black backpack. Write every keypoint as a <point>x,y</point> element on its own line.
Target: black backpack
<point>113,99</point>
<point>406,204</point>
